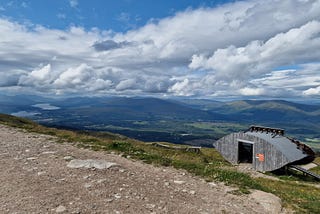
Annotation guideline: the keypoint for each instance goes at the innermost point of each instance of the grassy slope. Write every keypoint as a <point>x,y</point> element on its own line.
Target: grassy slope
<point>295,194</point>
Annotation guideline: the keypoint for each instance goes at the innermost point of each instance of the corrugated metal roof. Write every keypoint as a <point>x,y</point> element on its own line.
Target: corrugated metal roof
<point>283,144</point>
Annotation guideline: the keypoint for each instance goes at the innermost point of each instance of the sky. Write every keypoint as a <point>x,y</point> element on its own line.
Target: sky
<point>187,48</point>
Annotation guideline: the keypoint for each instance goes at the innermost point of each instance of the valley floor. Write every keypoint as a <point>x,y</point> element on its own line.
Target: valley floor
<point>39,175</point>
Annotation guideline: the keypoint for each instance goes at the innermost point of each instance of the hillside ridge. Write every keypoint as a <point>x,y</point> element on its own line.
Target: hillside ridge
<point>37,176</point>
<point>294,190</point>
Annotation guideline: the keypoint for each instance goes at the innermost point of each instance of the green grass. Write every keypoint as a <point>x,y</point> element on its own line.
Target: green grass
<point>208,164</point>
<point>317,160</point>
<point>16,121</point>
<point>295,195</point>
<point>317,168</point>
<point>218,128</point>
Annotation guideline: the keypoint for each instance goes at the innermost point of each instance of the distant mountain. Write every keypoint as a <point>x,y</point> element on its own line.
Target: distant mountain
<point>294,117</point>
<point>203,104</point>
<point>99,109</point>
<point>11,104</point>
<point>135,108</point>
<point>269,110</point>
<point>173,120</point>
<point>259,110</point>
<point>274,104</point>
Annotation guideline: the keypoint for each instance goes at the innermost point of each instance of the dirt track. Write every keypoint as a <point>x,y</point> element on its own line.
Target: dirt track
<point>35,178</point>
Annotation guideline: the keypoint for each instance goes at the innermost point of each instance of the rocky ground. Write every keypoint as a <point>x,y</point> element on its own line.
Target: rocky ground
<point>39,175</point>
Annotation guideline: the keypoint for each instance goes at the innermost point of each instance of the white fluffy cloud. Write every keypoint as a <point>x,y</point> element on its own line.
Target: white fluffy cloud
<point>37,77</point>
<point>246,64</point>
<point>251,91</point>
<point>233,50</point>
<point>181,88</point>
<point>41,73</point>
<point>75,76</point>
<point>312,91</point>
<point>73,3</point>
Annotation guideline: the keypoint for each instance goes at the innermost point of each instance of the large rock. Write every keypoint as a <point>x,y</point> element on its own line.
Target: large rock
<point>90,163</point>
<point>270,202</point>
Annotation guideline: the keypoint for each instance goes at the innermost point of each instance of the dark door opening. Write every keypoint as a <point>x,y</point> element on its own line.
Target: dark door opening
<point>245,154</point>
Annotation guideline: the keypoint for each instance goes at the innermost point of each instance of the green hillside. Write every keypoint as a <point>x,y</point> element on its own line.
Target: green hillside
<point>182,121</point>
<point>295,192</point>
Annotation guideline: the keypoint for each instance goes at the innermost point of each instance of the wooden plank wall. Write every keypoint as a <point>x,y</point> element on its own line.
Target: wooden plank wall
<point>273,158</point>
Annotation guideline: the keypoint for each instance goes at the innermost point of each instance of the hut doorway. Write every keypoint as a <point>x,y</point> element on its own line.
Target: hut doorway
<point>245,152</point>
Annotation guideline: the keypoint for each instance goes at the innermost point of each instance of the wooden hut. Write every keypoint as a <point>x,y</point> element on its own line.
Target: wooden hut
<point>268,149</point>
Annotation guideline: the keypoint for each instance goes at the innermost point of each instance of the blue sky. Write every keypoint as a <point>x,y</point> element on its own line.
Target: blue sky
<point>200,49</point>
<point>120,15</point>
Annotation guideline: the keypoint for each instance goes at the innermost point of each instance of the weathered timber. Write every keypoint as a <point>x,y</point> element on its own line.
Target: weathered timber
<point>305,171</point>
<point>266,148</point>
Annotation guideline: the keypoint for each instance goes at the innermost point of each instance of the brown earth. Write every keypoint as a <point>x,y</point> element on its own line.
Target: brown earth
<point>35,178</point>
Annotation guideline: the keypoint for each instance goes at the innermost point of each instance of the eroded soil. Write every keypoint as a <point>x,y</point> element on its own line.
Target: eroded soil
<point>35,178</point>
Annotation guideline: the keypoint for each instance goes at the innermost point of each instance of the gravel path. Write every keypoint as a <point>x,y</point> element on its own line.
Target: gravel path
<point>41,176</point>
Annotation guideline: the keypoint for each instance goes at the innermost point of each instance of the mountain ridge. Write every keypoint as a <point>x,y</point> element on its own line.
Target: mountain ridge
<point>173,120</point>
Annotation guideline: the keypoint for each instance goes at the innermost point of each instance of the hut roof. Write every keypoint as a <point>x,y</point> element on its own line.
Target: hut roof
<point>266,148</point>
<point>283,144</point>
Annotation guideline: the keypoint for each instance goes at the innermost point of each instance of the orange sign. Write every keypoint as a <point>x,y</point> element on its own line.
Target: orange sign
<point>260,157</point>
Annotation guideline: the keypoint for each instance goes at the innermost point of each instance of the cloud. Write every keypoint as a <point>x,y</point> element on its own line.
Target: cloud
<point>126,84</point>
<point>81,78</point>
<point>128,20</point>
<point>74,76</point>
<point>251,91</point>
<point>24,4</point>
<point>289,79</point>
<point>36,77</point>
<point>182,88</point>
<point>123,17</point>
<point>41,73</point>
<point>259,57</point>
<point>9,79</point>
<point>73,3</point>
<point>312,91</point>
<point>61,16</point>
<point>235,49</point>
<point>109,45</point>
